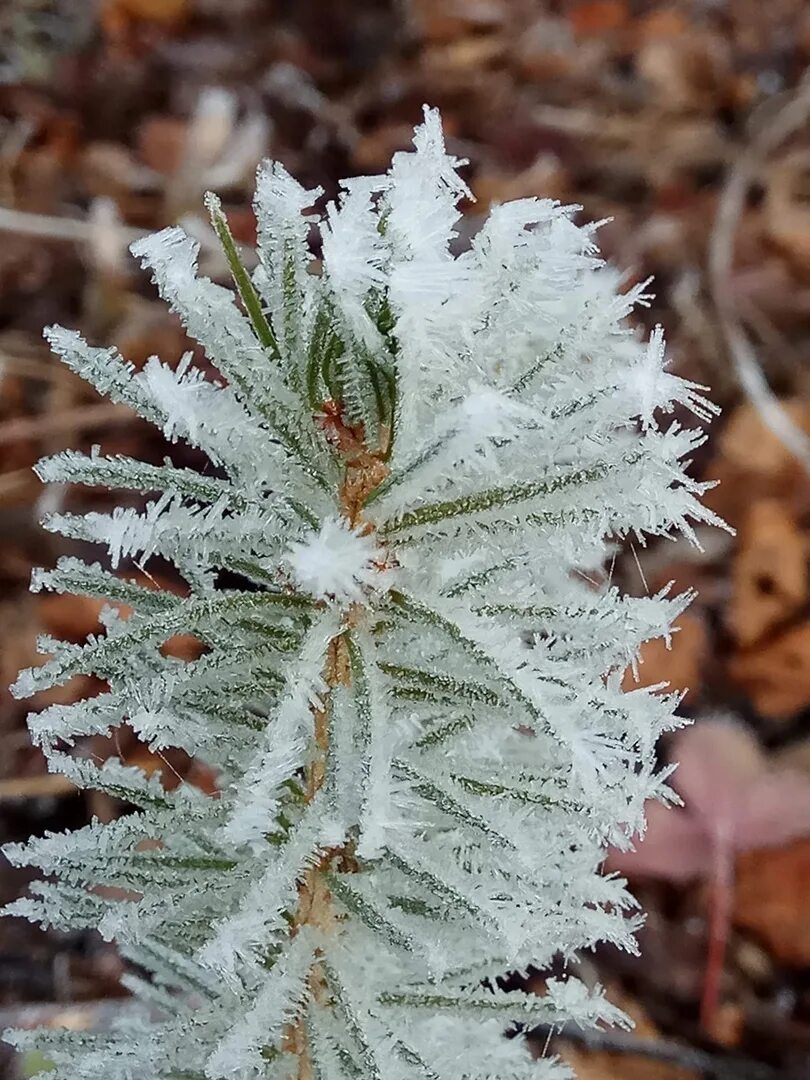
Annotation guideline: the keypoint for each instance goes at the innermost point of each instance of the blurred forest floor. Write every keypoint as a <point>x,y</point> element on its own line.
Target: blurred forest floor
<point>687,126</point>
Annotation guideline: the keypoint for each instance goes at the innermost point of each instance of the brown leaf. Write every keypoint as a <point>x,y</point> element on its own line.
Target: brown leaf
<point>69,617</point>
<point>746,431</point>
<point>752,463</point>
<point>441,22</point>
<point>596,17</point>
<point>546,50</point>
<point>542,179</point>
<point>601,1065</point>
<point>659,23</point>
<point>686,72</point>
<point>374,149</point>
<point>728,1024</point>
<point>75,689</point>
<point>776,677</point>
<point>771,900</point>
<point>770,571</point>
<point>183,647</point>
<point>679,665</point>
<point>467,55</point>
<point>173,767</point>
<point>157,11</point>
<point>162,143</point>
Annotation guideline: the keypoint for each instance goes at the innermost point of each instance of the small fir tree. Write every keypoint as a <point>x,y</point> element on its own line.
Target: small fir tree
<point>411,683</point>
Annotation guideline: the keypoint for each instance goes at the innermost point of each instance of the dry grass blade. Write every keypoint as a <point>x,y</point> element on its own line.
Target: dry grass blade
<point>82,416</point>
<point>771,133</point>
<point>709,1065</point>
<point>48,785</point>
<point>14,482</point>
<point>50,227</point>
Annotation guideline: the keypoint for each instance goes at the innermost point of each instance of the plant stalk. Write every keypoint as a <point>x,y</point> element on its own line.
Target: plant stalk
<point>364,471</point>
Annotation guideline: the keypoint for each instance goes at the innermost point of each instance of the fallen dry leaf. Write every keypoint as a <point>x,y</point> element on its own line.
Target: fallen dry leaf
<point>596,17</point>
<point>173,768</point>
<point>776,676</point>
<point>157,11</point>
<point>69,617</point>
<point>162,142</point>
<point>465,56</point>
<point>769,574</point>
<point>746,430</point>
<point>374,149</point>
<point>685,72</point>
<point>728,1024</point>
<point>660,23</point>
<point>679,665</point>
<point>41,786</point>
<point>437,22</point>
<point>546,50</point>
<point>183,647</point>
<point>752,463</point>
<point>76,688</point>
<point>542,179</point>
<point>772,900</point>
<point>601,1065</point>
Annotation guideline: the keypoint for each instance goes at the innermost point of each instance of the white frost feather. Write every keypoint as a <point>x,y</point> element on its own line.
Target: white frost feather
<point>337,562</point>
<point>456,791</point>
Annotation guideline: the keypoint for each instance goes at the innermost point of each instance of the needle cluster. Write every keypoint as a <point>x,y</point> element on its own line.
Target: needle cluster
<point>411,681</point>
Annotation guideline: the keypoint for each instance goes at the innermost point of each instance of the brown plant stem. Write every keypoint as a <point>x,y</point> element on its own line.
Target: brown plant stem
<point>365,469</point>
<point>721,896</point>
<point>314,899</point>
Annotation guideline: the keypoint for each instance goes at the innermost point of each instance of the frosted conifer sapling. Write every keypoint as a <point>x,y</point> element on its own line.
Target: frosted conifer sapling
<point>411,682</point>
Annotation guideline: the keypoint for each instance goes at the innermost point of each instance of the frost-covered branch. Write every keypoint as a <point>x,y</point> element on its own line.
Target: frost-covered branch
<point>410,691</point>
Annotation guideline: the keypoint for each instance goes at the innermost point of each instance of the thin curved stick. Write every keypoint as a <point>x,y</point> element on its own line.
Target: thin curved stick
<point>716,1066</point>
<point>787,120</point>
<point>50,227</point>
<point>82,416</point>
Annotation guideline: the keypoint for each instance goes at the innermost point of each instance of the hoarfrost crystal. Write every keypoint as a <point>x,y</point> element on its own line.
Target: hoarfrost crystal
<point>411,681</point>
<point>336,561</point>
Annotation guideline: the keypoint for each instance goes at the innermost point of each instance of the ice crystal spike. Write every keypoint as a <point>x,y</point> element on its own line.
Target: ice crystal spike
<point>413,699</point>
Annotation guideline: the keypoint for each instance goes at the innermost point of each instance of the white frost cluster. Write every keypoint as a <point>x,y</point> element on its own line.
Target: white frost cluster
<point>336,562</point>
<point>411,686</point>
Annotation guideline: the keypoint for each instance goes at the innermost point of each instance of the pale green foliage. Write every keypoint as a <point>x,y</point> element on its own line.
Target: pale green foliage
<point>482,752</point>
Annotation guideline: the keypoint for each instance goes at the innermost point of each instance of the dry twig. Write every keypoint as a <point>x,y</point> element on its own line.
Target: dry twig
<point>772,132</point>
<point>46,426</point>
<point>46,785</point>
<point>711,1066</point>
